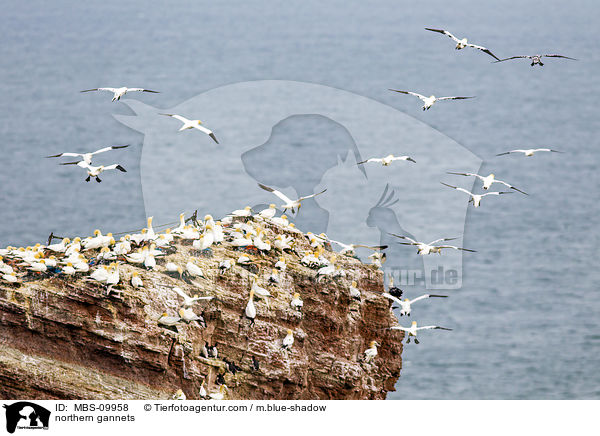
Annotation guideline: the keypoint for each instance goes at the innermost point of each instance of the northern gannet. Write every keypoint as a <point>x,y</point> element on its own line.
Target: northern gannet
<point>193,124</point>
<point>168,321</point>
<point>269,212</point>
<point>250,311</point>
<point>10,277</point>
<point>288,341</point>
<point>475,198</point>
<point>187,300</point>
<point>220,394</point>
<point>535,59</point>
<point>406,303</point>
<point>274,276</point>
<point>224,265</point>
<point>349,248</point>
<point>429,101</point>
<point>260,291</point>
<point>387,160</point>
<point>96,171</point>
<point>136,280</point>
<point>282,242</point>
<point>462,43</point>
<point>413,329</point>
<point>245,212</point>
<point>69,269</point>
<point>193,269</point>
<point>188,315</point>
<point>489,181</point>
<point>280,264</point>
<point>289,203</point>
<point>178,395</point>
<point>87,157</point>
<point>202,391</point>
<point>296,302</point>
<point>120,92</point>
<point>423,248</point>
<point>530,151</point>
<point>60,247</point>
<point>371,352</point>
<point>354,292</point>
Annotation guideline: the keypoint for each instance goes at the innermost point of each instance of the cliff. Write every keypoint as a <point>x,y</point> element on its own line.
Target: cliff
<point>67,338</point>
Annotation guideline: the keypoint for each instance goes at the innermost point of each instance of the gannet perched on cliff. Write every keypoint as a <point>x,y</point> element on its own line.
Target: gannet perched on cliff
<point>260,291</point>
<point>288,341</point>
<point>188,315</point>
<point>250,311</point>
<point>536,59</point>
<point>193,124</point>
<point>94,172</point>
<point>220,394</point>
<point>462,43</point>
<point>489,180</point>
<point>413,329</point>
<point>268,213</point>
<point>87,157</point>
<point>288,202</point>
<point>178,395</point>
<point>136,280</point>
<point>424,249</point>
<point>406,303</point>
<point>475,198</point>
<point>296,302</point>
<point>168,321</point>
<point>280,264</point>
<point>530,151</point>
<point>371,352</point>
<point>429,101</point>
<point>193,269</point>
<point>354,292</point>
<point>386,161</point>
<point>120,92</point>
<point>245,212</point>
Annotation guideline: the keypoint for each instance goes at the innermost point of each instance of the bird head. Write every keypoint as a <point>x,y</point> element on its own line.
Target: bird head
<point>290,332</point>
<point>198,122</point>
<point>296,295</point>
<point>414,323</point>
<point>97,232</point>
<point>354,283</point>
<point>374,344</point>
<point>150,221</point>
<point>208,217</point>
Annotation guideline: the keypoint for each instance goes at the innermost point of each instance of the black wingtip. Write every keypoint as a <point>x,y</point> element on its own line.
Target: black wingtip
<point>120,168</point>
<point>212,135</point>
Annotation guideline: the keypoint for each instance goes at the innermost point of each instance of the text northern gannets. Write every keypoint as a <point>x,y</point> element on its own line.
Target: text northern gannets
<point>289,203</point>
<point>87,157</point>
<point>193,124</point>
<point>387,160</point>
<point>475,198</point>
<point>535,59</point>
<point>413,329</point>
<point>120,92</point>
<point>406,303</point>
<point>489,180</point>
<point>429,101</point>
<point>462,43</point>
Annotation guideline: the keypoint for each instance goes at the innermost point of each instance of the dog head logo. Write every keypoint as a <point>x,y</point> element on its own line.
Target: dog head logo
<point>301,138</point>
<point>26,415</point>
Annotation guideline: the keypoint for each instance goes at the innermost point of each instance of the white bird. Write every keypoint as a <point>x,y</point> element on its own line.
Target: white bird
<point>530,151</point>
<point>193,269</point>
<point>288,341</point>
<point>220,394</point>
<point>296,302</point>
<point>87,157</point>
<point>193,124</point>
<point>178,395</point>
<point>387,160</point>
<point>289,203</point>
<point>489,180</point>
<point>69,270</point>
<point>168,321</point>
<point>245,212</point>
<point>475,198</point>
<point>120,92</point>
<point>354,292</point>
<point>224,265</point>
<point>349,248</point>
<point>371,352</point>
<point>189,301</point>
<point>250,311</point>
<point>136,280</point>
<point>429,101</point>
<point>269,212</point>
<point>429,248</point>
<point>260,292</point>
<point>188,315</point>
<point>60,247</point>
<point>536,59</point>
<point>405,305</point>
<point>10,277</point>
<point>280,264</point>
<point>462,43</point>
<point>413,329</point>
<point>93,171</point>
<point>202,391</point>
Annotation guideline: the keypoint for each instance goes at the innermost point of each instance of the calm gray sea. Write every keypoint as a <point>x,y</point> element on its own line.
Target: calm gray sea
<point>526,321</point>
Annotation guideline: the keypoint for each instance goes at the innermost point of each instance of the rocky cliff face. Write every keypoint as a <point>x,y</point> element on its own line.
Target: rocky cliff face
<point>65,338</point>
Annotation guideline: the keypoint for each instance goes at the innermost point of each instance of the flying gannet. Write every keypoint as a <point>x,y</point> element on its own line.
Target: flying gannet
<point>413,329</point>
<point>193,124</point>
<point>87,157</point>
<point>349,249</point>
<point>530,151</point>
<point>120,92</point>
<point>462,43</point>
<point>429,101</point>
<point>289,203</point>
<point>96,171</point>
<point>189,301</point>
<point>405,304</point>
<point>535,59</point>
<point>489,181</point>
<point>475,198</point>
<point>387,160</point>
<point>423,248</point>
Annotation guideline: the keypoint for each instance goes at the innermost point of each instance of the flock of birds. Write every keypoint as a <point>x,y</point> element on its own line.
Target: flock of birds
<point>98,258</point>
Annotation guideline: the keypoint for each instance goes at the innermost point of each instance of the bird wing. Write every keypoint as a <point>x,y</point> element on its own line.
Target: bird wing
<point>177,117</point>
<point>281,195</point>
<point>466,174</point>
<point>312,195</point>
<point>512,57</point>
<point>422,97</point>
<point>510,186</point>
<point>456,248</point>
<point>115,167</point>
<point>207,131</point>
<point>440,240</point>
<point>453,98</point>
<point>372,247</point>
<point>399,327</point>
<point>558,56</point>
<point>404,237</point>
<point>391,297</point>
<point>425,296</point>
<point>548,149</point>
<point>341,244</point>
<point>496,193</point>
<point>485,50</point>
<point>459,189</point>
<point>81,163</point>
<point>429,327</point>
<point>444,32</point>
<point>140,89</point>
<point>66,154</point>
<point>373,159</point>
<point>181,293</point>
<point>112,147</point>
